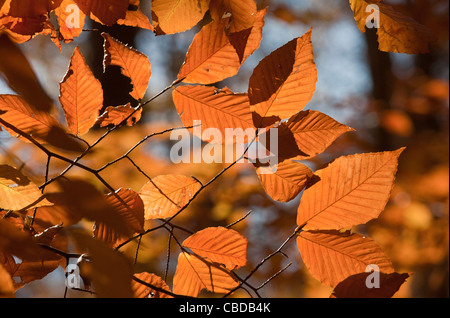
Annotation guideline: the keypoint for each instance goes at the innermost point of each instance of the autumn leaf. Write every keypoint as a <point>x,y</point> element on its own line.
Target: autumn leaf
<point>166,194</point>
<point>174,16</point>
<point>284,184</point>
<point>142,291</point>
<point>135,17</point>
<point>397,33</point>
<point>81,95</point>
<point>73,29</point>
<point>219,109</point>
<point>332,256</point>
<point>219,245</point>
<point>352,190</point>
<point>6,282</point>
<point>242,12</point>
<point>17,192</point>
<point>212,57</point>
<point>194,274</point>
<point>109,271</point>
<point>106,11</point>
<point>116,115</point>
<point>133,63</point>
<point>130,207</point>
<point>355,286</point>
<point>32,8</point>
<point>283,82</point>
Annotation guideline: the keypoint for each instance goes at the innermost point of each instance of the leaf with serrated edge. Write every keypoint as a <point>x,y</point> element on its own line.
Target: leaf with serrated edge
<point>194,274</point>
<point>219,245</point>
<point>81,95</point>
<point>397,33</point>
<point>352,190</point>
<point>166,194</point>
<point>142,291</point>
<point>134,64</point>
<point>331,256</point>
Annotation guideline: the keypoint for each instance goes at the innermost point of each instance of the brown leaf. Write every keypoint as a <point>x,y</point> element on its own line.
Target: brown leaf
<point>167,194</point>
<point>397,33</point>
<point>174,16</point>
<point>194,274</point>
<point>283,82</point>
<point>214,55</point>
<point>135,17</point>
<point>21,77</point>
<point>107,11</point>
<point>142,291</point>
<point>332,256</point>
<point>219,245</point>
<point>116,115</point>
<point>133,63</point>
<point>32,8</point>
<point>355,286</point>
<point>73,29</point>
<point>352,190</point>
<point>81,95</point>
<point>219,109</point>
<point>6,282</point>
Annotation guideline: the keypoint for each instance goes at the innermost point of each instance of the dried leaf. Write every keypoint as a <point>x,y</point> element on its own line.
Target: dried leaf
<point>242,13</point>
<point>142,291</point>
<point>81,95</point>
<point>167,194</point>
<point>6,282</point>
<point>70,22</point>
<point>107,11</point>
<point>352,190</point>
<point>219,245</point>
<point>116,115</point>
<point>331,256</point>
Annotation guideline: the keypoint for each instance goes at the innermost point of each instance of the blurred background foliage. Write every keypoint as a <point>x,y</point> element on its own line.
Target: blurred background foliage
<point>392,100</point>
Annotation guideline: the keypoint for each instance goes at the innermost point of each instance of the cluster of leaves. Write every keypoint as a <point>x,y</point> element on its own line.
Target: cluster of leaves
<point>352,190</point>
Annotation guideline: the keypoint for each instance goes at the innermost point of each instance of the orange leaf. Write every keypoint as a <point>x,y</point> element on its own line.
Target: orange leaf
<point>289,179</point>
<point>116,115</point>
<point>81,95</point>
<point>242,13</point>
<point>212,57</point>
<point>175,16</point>
<point>352,190</point>
<point>331,256</point>
<point>397,33</point>
<point>135,17</point>
<point>219,109</point>
<point>142,291</point>
<point>219,245</point>
<point>311,132</point>
<point>283,82</point>
<point>133,63</point>
<point>65,13</point>
<point>107,11</point>
<point>194,274</point>
<point>31,8</point>
<point>17,191</point>
<point>355,286</point>
<point>166,194</point>
<point>130,207</point>
<point>6,282</point>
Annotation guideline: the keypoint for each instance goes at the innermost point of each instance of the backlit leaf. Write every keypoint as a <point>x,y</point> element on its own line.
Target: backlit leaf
<point>212,57</point>
<point>167,194</point>
<point>219,109</point>
<point>70,20</point>
<point>116,115</point>
<point>194,274</point>
<point>283,82</point>
<point>219,245</point>
<point>397,33</point>
<point>351,191</point>
<point>107,11</point>
<point>142,291</point>
<point>133,63</point>
<point>331,256</point>
<point>242,13</point>
<point>175,16</point>
<point>81,95</point>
